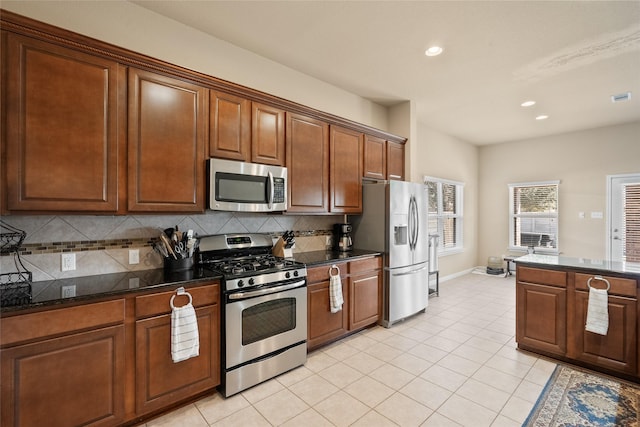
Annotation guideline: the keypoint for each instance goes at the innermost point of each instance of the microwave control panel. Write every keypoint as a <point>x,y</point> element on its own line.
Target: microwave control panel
<point>278,190</point>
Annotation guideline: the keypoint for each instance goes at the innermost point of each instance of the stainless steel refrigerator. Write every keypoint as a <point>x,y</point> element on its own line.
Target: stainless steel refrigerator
<point>394,221</point>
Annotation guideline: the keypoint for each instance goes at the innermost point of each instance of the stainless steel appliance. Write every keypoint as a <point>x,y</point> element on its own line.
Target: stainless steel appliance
<point>246,187</point>
<point>342,240</point>
<point>394,221</point>
<point>264,310</point>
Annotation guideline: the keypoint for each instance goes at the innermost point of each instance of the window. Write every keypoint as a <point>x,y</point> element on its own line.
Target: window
<point>445,213</point>
<point>533,216</point>
<point>623,226</point>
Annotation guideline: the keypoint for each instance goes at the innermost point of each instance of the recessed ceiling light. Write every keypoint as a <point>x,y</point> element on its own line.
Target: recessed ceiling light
<point>528,103</point>
<point>542,117</point>
<point>433,51</point>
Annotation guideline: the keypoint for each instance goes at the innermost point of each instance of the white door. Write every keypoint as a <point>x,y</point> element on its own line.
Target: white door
<point>623,228</point>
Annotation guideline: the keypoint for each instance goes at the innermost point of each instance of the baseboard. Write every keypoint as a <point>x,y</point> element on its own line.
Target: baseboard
<point>455,275</point>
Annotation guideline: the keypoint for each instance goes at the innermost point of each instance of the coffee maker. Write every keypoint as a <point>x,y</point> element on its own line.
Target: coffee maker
<point>342,237</point>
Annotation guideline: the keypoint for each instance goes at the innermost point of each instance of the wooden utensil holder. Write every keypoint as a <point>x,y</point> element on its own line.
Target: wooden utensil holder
<point>280,251</point>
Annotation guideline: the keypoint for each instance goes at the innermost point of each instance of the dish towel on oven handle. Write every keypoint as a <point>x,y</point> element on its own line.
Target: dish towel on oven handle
<point>185,340</point>
<point>335,290</point>
<point>598,309</point>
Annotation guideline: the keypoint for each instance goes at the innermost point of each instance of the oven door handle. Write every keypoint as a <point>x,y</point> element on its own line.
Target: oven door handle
<point>260,292</point>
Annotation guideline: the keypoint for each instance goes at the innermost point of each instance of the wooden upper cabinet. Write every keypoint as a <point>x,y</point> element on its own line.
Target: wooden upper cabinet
<point>307,164</point>
<point>395,161</point>
<point>61,127</point>
<point>267,135</point>
<point>346,148</point>
<point>246,131</point>
<point>167,119</point>
<point>375,157</point>
<point>229,126</point>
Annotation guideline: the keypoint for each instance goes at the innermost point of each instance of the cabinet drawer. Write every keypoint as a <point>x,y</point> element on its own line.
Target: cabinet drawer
<point>60,321</point>
<point>368,264</point>
<point>619,286</point>
<point>541,276</point>
<point>159,303</point>
<point>320,274</point>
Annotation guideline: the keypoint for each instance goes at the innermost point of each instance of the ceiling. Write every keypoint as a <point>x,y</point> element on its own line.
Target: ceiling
<point>570,57</point>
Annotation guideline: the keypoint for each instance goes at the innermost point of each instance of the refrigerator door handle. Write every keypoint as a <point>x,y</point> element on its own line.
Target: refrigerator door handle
<point>406,273</point>
<point>413,223</point>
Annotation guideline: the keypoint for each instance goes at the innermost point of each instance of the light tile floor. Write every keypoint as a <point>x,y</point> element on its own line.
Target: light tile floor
<point>455,365</point>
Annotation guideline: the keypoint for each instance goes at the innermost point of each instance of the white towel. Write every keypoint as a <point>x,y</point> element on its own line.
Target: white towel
<point>185,340</point>
<point>335,290</point>
<point>598,311</point>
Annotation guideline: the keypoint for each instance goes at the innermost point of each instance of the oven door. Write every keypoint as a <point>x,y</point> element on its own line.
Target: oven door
<point>263,321</point>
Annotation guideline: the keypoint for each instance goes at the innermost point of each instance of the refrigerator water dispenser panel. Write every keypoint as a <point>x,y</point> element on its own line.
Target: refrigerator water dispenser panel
<point>400,235</point>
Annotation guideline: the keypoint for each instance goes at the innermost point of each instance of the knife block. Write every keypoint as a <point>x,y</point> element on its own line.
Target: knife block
<point>280,251</point>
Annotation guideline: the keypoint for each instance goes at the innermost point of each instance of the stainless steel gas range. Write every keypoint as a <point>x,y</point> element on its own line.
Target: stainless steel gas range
<point>264,310</point>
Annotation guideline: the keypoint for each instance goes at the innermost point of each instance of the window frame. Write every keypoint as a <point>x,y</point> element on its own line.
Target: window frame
<point>458,215</point>
<point>513,215</point>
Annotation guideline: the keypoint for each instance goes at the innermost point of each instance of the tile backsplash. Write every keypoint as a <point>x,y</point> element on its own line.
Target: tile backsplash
<point>102,243</point>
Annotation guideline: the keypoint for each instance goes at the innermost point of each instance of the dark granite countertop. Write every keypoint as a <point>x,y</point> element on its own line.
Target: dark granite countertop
<point>49,292</point>
<point>315,258</point>
<point>596,266</point>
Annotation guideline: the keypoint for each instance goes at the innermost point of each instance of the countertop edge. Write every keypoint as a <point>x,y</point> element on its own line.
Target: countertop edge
<point>310,259</point>
<point>581,264</point>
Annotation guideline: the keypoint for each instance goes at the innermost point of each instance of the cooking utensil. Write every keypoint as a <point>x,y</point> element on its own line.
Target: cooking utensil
<point>167,244</point>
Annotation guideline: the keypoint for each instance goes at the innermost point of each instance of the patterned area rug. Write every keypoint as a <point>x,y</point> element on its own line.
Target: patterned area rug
<point>574,397</point>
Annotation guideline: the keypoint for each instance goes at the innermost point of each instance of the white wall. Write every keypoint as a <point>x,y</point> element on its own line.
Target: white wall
<point>580,160</point>
<point>130,26</point>
<point>443,156</point>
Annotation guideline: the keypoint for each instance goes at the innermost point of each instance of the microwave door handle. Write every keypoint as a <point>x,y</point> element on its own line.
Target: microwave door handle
<point>270,190</point>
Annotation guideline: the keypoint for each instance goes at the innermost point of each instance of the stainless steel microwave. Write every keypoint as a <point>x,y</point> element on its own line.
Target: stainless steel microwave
<point>246,187</point>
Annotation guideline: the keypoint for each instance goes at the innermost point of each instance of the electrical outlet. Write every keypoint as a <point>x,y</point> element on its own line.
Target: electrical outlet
<point>69,291</point>
<point>134,256</point>
<point>68,262</point>
<point>134,282</point>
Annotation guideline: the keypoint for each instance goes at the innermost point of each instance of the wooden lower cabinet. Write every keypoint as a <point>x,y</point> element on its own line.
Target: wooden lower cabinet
<point>324,326</point>
<point>74,379</point>
<point>361,290</point>
<point>160,382</point>
<point>541,317</point>
<point>87,364</point>
<point>551,313</point>
<point>365,292</point>
<point>617,349</point>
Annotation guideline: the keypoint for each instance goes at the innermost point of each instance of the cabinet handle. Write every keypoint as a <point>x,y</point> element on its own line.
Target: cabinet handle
<point>599,278</point>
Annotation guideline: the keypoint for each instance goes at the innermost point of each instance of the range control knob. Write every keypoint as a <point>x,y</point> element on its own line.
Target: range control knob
<point>287,275</point>
<point>252,282</point>
<point>240,283</point>
<point>295,273</point>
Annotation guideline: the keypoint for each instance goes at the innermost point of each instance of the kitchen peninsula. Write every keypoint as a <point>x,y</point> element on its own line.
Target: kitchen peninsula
<point>552,295</point>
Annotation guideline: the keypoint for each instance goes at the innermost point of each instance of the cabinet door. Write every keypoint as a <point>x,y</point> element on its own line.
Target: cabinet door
<point>267,135</point>
<point>61,127</point>
<point>72,380</point>
<point>364,301</point>
<point>617,349</point>
<point>159,381</point>
<point>541,317</point>
<point>229,126</point>
<point>324,326</point>
<point>375,157</point>
<point>166,144</point>
<point>346,149</point>
<point>308,164</point>
<point>395,161</point>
